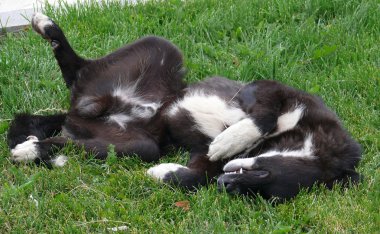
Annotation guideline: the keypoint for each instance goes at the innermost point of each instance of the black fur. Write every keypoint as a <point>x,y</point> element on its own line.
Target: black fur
<point>42,127</point>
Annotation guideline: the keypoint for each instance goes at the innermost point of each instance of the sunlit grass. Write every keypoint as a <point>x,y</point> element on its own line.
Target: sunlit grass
<point>330,48</point>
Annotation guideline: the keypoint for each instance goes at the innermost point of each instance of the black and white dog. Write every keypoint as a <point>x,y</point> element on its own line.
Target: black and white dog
<point>263,137</point>
<point>115,100</point>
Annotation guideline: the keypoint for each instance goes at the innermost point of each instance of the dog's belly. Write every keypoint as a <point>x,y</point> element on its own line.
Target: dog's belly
<point>117,103</point>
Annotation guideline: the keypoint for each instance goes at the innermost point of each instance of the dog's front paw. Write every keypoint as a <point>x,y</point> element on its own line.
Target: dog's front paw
<point>224,146</point>
<point>26,151</point>
<point>159,172</point>
<point>235,139</point>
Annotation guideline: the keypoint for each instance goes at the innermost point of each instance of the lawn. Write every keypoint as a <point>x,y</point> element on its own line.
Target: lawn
<point>330,48</point>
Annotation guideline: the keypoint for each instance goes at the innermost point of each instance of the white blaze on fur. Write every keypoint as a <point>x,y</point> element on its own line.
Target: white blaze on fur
<point>211,113</point>
<point>289,120</point>
<point>128,94</point>
<point>41,21</point>
<point>142,108</point>
<point>26,151</point>
<point>120,119</point>
<point>305,152</point>
<point>235,139</point>
<point>59,161</point>
<point>160,171</point>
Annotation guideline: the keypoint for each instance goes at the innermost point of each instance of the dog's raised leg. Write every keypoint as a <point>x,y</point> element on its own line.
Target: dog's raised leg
<point>68,60</point>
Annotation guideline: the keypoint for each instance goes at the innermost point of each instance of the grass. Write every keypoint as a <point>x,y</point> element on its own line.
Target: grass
<point>330,48</point>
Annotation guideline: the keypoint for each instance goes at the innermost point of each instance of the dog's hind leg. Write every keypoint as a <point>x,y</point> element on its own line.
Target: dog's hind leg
<point>33,126</point>
<point>198,172</point>
<point>45,151</point>
<point>69,62</point>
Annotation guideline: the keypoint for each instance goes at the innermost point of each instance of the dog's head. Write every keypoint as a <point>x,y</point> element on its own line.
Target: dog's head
<point>277,176</point>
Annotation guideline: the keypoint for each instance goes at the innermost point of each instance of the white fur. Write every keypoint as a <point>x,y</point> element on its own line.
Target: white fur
<point>289,120</point>
<point>120,119</point>
<point>41,21</point>
<point>159,172</point>
<point>234,139</point>
<point>26,151</point>
<point>60,161</point>
<point>128,94</point>
<point>248,163</point>
<point>87,104</point>
<point>306,151</point>
<point>211,113</point>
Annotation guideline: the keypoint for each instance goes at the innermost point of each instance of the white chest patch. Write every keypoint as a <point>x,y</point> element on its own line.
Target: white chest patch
<point>211,113</point>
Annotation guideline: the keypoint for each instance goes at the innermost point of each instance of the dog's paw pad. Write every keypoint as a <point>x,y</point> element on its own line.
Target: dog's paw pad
<point>160,171</point>
<point>26,151</point>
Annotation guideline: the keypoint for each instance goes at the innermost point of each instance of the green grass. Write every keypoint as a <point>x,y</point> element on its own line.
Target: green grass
<point>330,48</point>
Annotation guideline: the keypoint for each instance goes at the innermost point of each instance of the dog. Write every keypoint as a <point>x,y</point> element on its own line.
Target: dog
<point>117,99</point>
<point>261,138</point>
